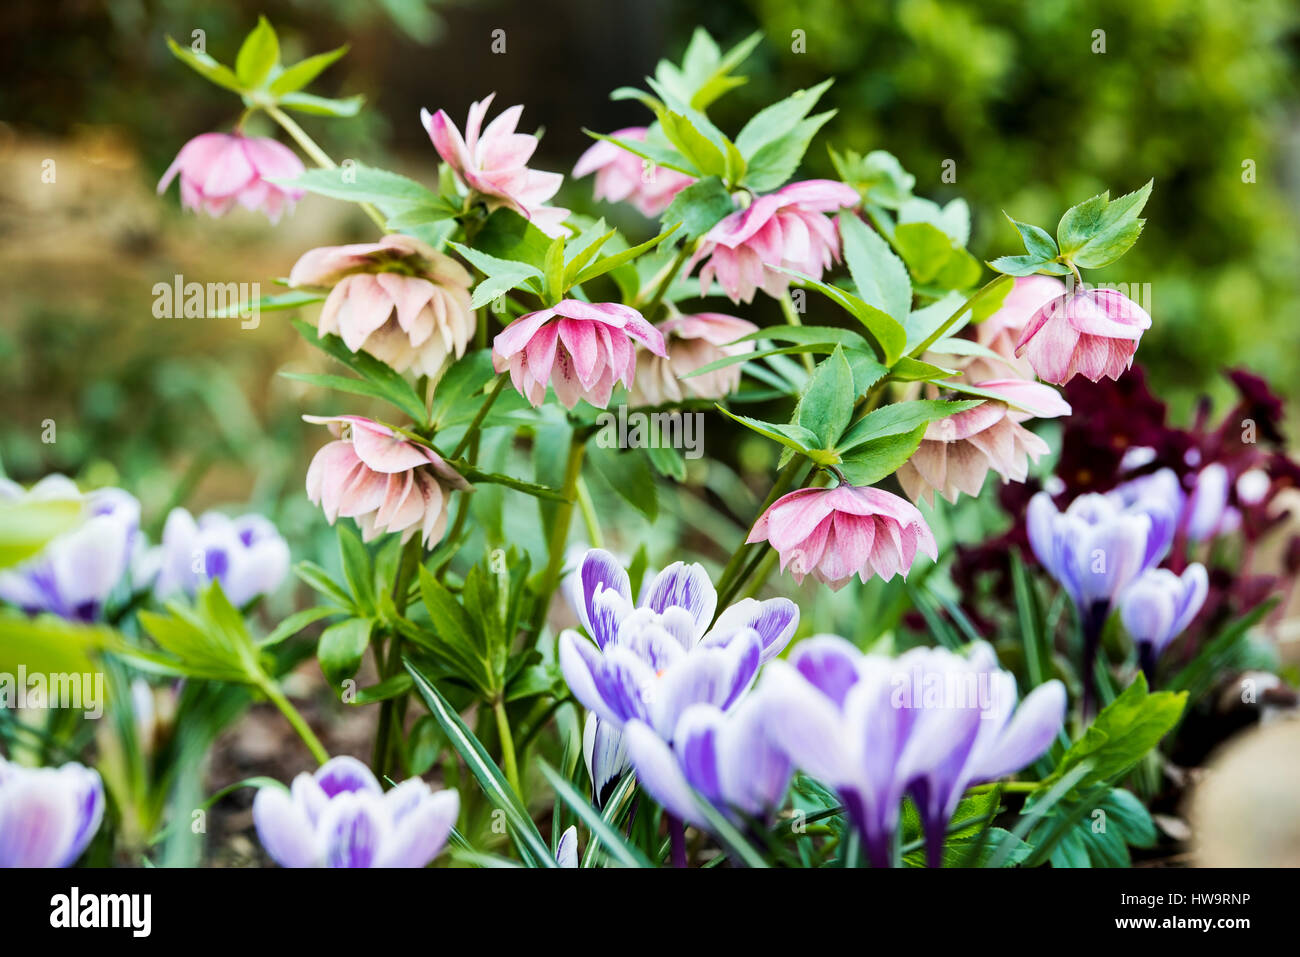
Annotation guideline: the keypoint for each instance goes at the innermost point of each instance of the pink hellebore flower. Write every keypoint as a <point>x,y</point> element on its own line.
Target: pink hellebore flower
<point>491,161</point>
<point>957,452</point>
<point>693,342</point>
<point>1094,332</point>
<point>582,348</point>
<point>1001,331</point>
<point>623,176</point>
<point>383,481</point>
<point>398,299</point>
<point>220,169</point>
<point>787,228</point>
<point>835,533</point>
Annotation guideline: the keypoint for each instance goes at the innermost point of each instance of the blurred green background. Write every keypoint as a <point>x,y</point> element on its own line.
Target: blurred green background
<point>1019,95</point>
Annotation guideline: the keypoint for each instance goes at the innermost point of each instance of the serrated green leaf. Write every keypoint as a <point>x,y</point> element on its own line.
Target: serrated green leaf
<point>826,406</point>
<point>258,55</point>
<point>293,78</point>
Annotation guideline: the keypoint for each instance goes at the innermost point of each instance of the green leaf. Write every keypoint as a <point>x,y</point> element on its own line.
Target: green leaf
<point>625,471</point>
<point>356,183</point>
<point>827,404</point>
<point>664,156</point>
<point>1026,266</point>
<point>773,122</point>
<point>356,568</point>
<point>887,331</point>
<point>879,177</point>
<point>284,300</point>
<point>1098,231</point>
<point>792,436</point>
<point>258,55</point>
<point>1121,734</point>
<point>26,527</point>
<point>323,105</point>
<point>502,275</point>
<point>525,834</point>
<point>1038,241</point>
<point>341,648</point>
<point>872,460</point>
<point>206,67</point>
<point>607,263</point>
<point>296,623</point>
<point>424,744</point>
<point>383,691</point>
<point>899,418</point>
<point>777,161</point>
<point>934,258</point>
<point>390,384</point>
<point>699,207</point>
<point>615,844</point>
<point>319,580</point>
<point>879,275</point>
<point>294,78</point>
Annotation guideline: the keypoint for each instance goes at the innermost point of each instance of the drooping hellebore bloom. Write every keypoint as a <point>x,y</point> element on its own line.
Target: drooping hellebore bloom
<point>726,756</point>
<point>581,348</point>
<point>218,170</point>
<point>1159,606</point>
<point>692,343</point>
<point>492,163</point>
<point>47,815</point>
<point>384,482</point>
<point>340,817</point>
<point>622,176</point>
<point>958,451</point>
<point>834,534</point>
<point>399,299</point>
<point>1001,331</point>
<point>246,554</point>
<point>1093,332</point>
<point>652,661</point>
<point>928,724</point>
<point>788,228</point>
<point>74,574</point>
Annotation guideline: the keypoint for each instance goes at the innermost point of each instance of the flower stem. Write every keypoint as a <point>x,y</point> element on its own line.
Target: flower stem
<point>666,282</point>
<point>792,317</point>
<point>318,155</point>
<point>480,415</point>
<point>511,768</point>
<point>297,721</point>
<point>560,530</point>
<point>588,509</point>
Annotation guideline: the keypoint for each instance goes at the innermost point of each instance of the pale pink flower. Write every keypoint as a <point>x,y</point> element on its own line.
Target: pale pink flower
<point>1093,332</point>
<point>398,299</point>
<point>386,483</point>
<point>218,170</point>
<point>788,228</point>
<point>693,342</point>
<point>623,176</point>
<point>491,162</point>
<point>836,533</point>
<point>957,452</point>
<point>1001,331</point>
<point>581,348</point>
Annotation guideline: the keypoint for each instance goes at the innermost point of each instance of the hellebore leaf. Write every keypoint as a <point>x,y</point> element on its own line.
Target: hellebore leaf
<point>341,647</point>
<point>826,406</point>
<point>293,78</point>
<point>899,418</point>
<point>879,275</point>
<point>699,207</point>
<point>1099,230</point>
<point>258,55</point>
<point>873,459</point>
<point>205,66</point>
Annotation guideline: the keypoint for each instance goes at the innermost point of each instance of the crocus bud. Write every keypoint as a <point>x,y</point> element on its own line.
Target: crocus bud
<point>47,815</point>
<point>581,348</point>
<point>340,817</point>
<point>1093,332</point>
<point>398,299</point>
<point>788,228</point>
<point>1159,606</point>
<point>492,163</point>
<point>218,170</point>
<point>836,533</point>
<point>692,343</point>
<point>381,480</point>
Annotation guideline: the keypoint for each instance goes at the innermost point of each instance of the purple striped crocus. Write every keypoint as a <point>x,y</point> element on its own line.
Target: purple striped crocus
<point>47,815</point>
<point>651,661</point>
<point>75,573</point>
<point>247,554</point>
<point>1159,606</point>
<point>723,757</point>
<point>1099,546</point>
<point>928,724</point>
<point>340,817</point>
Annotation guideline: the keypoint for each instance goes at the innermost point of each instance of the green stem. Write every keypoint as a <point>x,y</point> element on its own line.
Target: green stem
<point>792,317</point>
<point>391,709</point>
<point>318,155</point>
<point>560,530</point>
<point>480,415</point>
<point>588,509</point>
<point>948,323</point>
<point>295,719</point>
<point>666,282</point>
<point>510,768</point>
<point>783,482</point>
